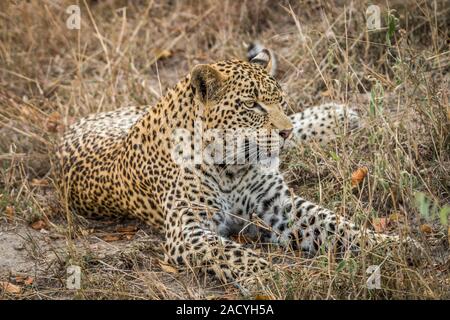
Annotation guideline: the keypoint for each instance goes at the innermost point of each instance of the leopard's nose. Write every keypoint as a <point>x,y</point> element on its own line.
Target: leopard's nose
<point>285,134</point>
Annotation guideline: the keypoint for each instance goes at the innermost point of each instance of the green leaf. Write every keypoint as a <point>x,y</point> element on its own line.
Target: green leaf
<point>423,205</point>
<point>341,266</point>
<point>443,215</point>
<point>392,22</point>
<point>334,156</point>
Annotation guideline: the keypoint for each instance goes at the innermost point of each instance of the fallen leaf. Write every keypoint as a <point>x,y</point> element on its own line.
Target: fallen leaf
<point>380,224</point>
<point>39,182</point>
<point>10,288</point>
<point>24,280</point>
<point>127,229</point>
<point>38,225</point>
<point>163,54</point>
<point>110,238</point>
<point>167,268</point>
<point>359,175</point>
<point>10,213</point>
<point>53,122</point>
<point>395,217</point>
<point>29,281</point>
<point>262,297</point>
<point>426,228</point>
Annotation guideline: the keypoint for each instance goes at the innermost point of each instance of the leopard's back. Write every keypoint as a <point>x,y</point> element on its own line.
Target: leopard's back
<point>86,161</point>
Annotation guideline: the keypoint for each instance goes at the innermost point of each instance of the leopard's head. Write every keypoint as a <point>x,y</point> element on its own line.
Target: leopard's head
<point>242,97</point>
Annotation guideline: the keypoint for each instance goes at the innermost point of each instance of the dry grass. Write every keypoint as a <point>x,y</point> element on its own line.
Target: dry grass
<point>128,53</point>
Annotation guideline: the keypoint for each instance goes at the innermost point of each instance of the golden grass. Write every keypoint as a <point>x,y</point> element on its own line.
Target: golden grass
<point>128,53</point>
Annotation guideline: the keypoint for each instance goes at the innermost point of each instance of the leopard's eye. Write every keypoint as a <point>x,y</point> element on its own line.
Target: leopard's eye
<point>249,104</point>
<point>254,106</point>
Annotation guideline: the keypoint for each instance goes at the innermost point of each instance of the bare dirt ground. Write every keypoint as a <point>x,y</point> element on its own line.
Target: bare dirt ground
<point>37,259</point>
<point>130,52</point>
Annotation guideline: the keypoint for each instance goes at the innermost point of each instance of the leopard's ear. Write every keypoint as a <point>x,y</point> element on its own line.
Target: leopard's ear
<point>207,82</point>
<point>263,59</point>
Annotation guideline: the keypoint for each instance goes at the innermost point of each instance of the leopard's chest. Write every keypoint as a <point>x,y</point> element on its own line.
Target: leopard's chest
<point>249,196</point>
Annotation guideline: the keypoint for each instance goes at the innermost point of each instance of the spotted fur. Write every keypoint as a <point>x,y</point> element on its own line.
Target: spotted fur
<point>120,163</point>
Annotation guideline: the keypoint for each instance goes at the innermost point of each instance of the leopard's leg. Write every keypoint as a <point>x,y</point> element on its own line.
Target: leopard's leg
<point>189,241</point>
<point>293,221</point>
<point>322,123</point>
<point>313,227</point>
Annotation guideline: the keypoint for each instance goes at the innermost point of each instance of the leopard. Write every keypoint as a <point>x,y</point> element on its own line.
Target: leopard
<point>127,163</point>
